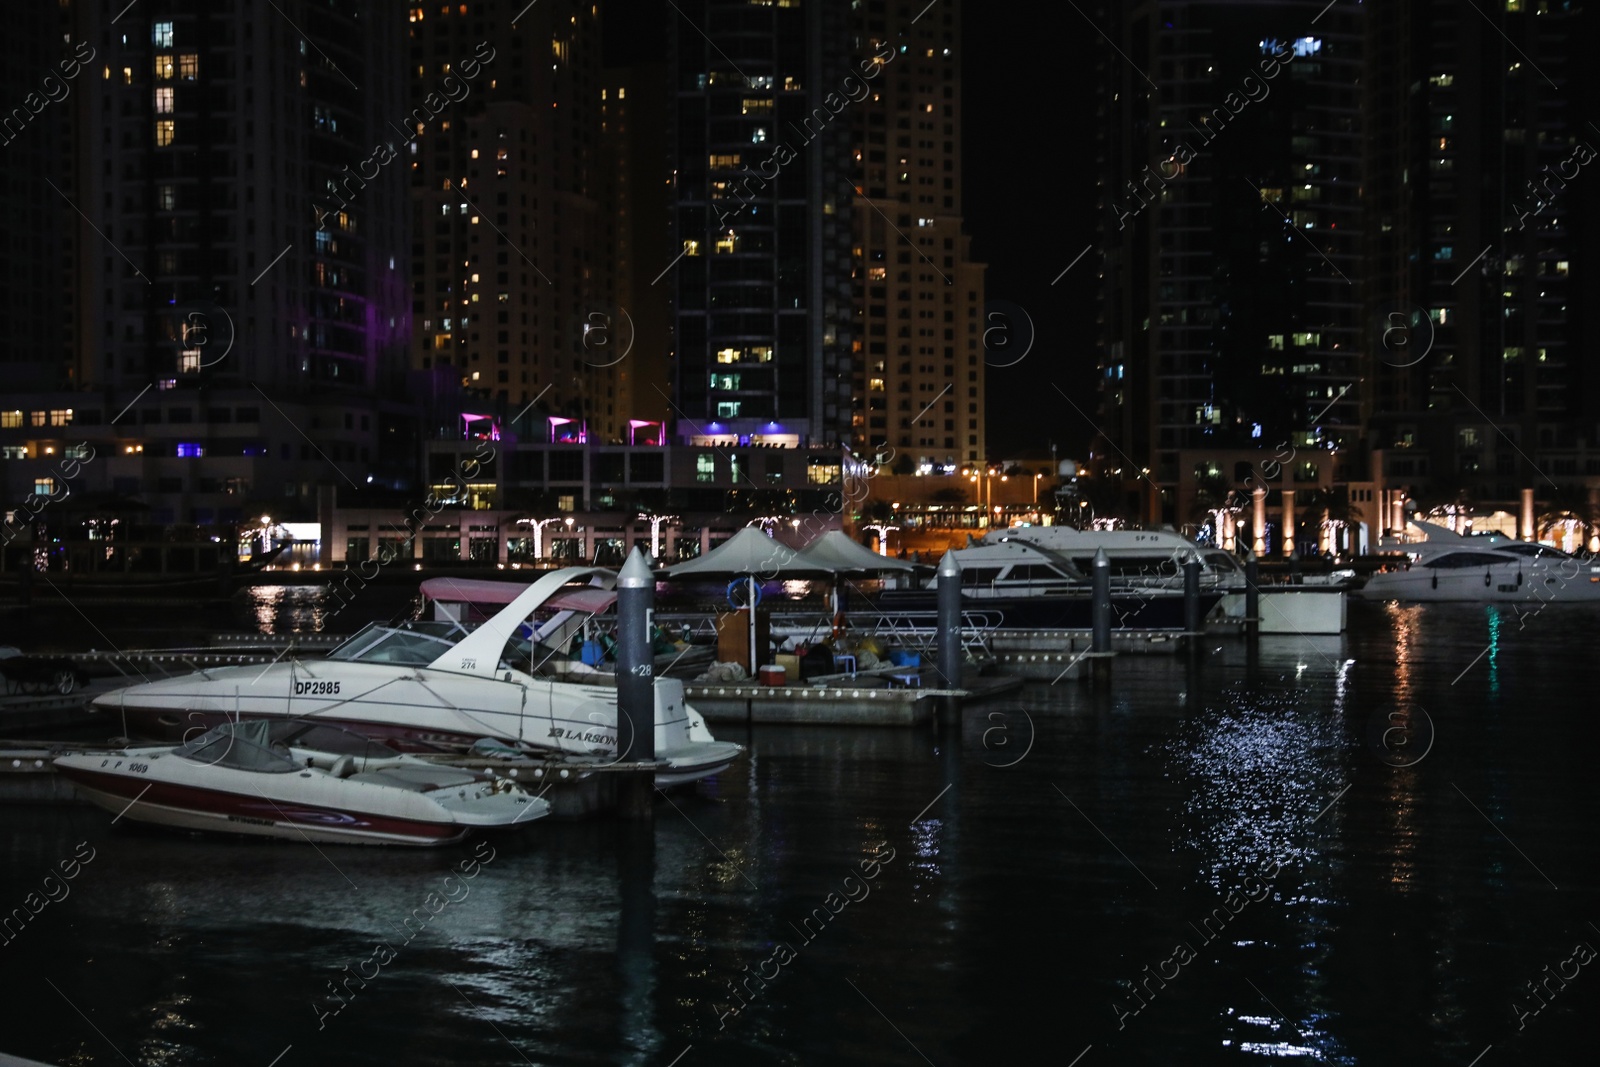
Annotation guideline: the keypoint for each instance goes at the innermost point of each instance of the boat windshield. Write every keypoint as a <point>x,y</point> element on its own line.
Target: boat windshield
<point>240,747</point>
<point>1222,562</point>
<point>414,644</point>
<point>1523,548</point>
<point>325,737</point>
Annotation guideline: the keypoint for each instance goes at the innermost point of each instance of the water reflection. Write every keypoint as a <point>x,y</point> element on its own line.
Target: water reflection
<point>1396,931</point>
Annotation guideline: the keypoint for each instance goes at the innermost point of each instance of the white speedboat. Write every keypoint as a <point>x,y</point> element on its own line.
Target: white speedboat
<point>299,781</point>
<point>429,685</point>
<point>1484,569</point>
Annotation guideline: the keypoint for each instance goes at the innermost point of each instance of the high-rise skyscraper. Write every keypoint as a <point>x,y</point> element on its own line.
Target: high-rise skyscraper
<point>918,344</point>
<point>512,263</point>
<point>1477,152</point>
<point>762,203</point>
<point>240,240</point>
<point>1231,303</point>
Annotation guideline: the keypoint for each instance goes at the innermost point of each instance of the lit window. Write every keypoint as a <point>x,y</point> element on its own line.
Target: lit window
<point>761,353</point>
<point>728,409</point>
<point>189,361</point>
<point>166,130</point>
<point>167,197</point>
<point>756,107</point>
<point>823,473</point>
<point>163,68</point>
<point>44,486</point>
<point>10,420</point>
<point>36,418</point>
<point>705,467</point>
<point>727,243</point>
<point>691,248</point>
<point>127,75</point>
<point>61,417</point>
<point>727,161</point>
<point>728,355</point>
<point>161,34</point>
<point>189,66</point>
<point>190,450</point>
<point>163,101</point>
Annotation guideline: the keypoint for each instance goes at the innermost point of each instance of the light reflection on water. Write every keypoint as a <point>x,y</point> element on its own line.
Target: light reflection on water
<point>1398,930</point>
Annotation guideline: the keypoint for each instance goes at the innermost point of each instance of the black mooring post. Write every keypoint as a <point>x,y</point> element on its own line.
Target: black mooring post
<point>1100,616</point>
<point>1252,594</point>
<point>636,695</point>
<point>949,583</point>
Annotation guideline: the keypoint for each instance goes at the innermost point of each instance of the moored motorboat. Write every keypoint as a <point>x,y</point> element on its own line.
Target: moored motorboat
<point>300,781</point>
<point>1447,566</point>
<point>1038,577</point>
<point>435,684</point>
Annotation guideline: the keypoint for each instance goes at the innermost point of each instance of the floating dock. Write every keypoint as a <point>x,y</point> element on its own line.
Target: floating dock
<point>864,699</point>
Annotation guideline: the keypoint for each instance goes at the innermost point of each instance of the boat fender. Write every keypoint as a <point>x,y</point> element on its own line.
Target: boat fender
<point>1519,579</point>
<point>1436,578</point>
<point>1486,579</point>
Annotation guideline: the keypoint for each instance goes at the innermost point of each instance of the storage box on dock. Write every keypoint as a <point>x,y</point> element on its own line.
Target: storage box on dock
<point>733,636</point>
<point>773,674</point>
<point>902,658</point>
<point>789,663</point>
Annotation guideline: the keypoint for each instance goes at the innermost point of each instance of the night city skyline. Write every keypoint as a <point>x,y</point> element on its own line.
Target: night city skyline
<point>850,532</point>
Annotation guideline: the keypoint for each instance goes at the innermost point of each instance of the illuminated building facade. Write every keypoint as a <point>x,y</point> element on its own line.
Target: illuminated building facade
<point>761,206</point>
<point>918,343</point>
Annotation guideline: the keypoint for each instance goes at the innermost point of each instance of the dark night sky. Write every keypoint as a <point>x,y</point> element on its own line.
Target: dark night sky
<point>1028,170</point>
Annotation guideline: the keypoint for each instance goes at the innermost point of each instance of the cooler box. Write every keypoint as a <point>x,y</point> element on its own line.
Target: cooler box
<point>772,674</point>
<point>901,658</point>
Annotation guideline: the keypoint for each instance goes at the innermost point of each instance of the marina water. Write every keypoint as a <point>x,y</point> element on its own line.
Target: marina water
<point>1370,849</point>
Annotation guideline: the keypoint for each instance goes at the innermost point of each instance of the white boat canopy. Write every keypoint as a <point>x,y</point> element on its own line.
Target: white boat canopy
<point>836,551</point>
<point>749,552</point>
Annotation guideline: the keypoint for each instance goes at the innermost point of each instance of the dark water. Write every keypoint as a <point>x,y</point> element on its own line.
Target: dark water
<point>1379,914</point>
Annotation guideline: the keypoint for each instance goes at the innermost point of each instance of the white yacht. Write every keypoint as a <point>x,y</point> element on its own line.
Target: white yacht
<point>1484,568</point>
<point>1039,577</point>
<point>430,685</point>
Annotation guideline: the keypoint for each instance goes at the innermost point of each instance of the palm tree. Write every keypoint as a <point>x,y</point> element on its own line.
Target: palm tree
<point>1568,508</point>
<point>1338,514</point>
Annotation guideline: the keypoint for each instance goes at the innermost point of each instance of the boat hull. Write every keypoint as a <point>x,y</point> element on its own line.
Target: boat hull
<point>1500,584</point>
<point>187,807</point>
